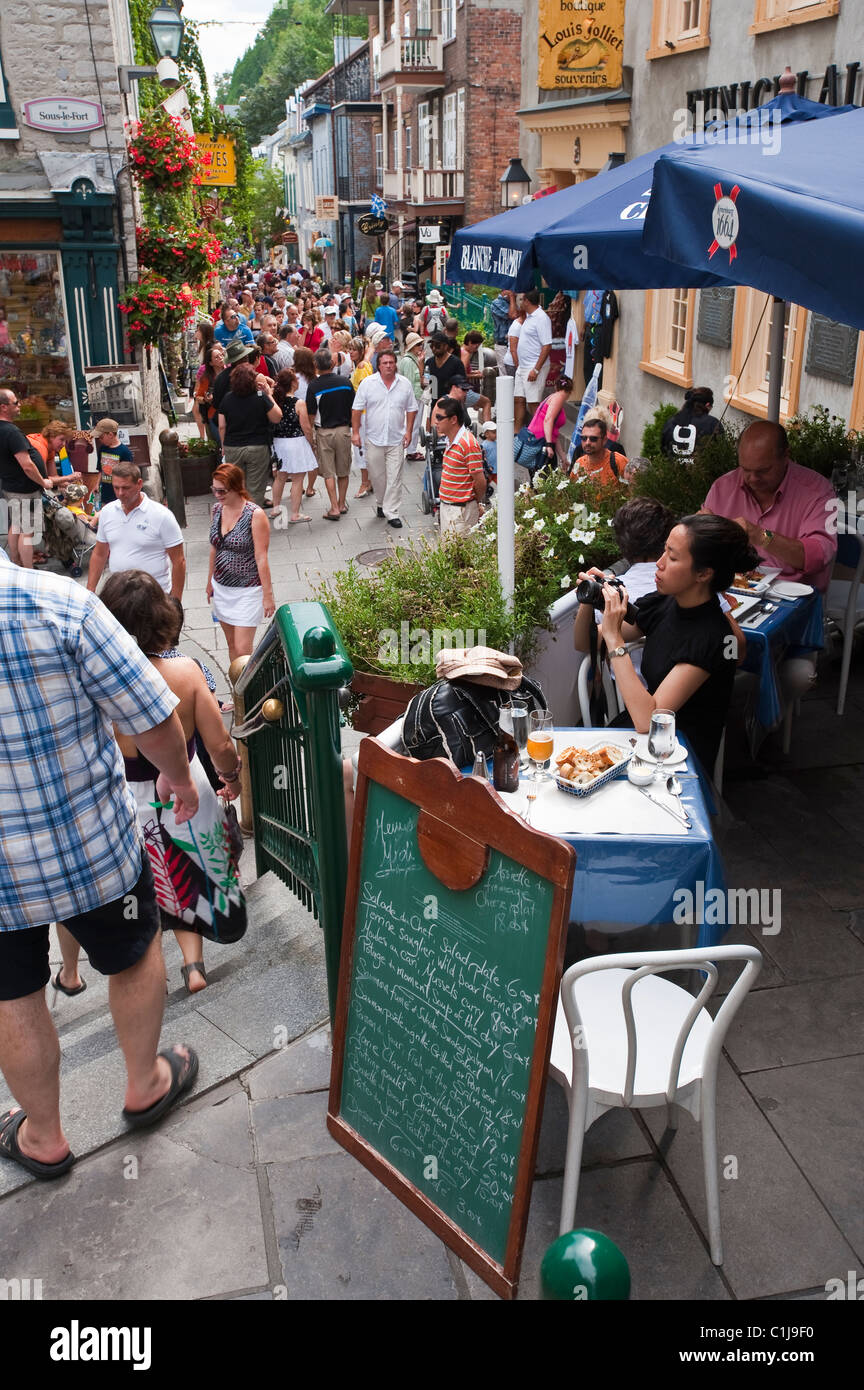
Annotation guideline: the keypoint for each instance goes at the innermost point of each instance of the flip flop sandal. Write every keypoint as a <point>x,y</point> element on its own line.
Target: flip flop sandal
<point>366,493</point>
<point>79,989</point>
<point>227,708</point>
<point>185,971</point>
<point>292,520</point>
<point>183,1073</point>
<point>328,517</point>
<point>10,1123</point>
<point>343,510</point>
<point>313,493</point>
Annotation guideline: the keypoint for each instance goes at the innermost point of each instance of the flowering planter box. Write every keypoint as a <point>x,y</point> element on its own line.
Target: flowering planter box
<point>383,701</point>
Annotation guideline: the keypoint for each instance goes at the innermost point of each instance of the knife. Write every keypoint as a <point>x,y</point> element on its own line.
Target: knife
<point>680,817</point>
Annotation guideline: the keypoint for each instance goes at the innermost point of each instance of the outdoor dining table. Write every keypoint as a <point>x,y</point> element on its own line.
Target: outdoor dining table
<point>795,623</point>
<point>632,859</point>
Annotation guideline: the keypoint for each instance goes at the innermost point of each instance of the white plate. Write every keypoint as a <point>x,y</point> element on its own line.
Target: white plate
<point>788,588</point>
<point>745,606</point>
<point>679,753</point>
<point>764,583</point>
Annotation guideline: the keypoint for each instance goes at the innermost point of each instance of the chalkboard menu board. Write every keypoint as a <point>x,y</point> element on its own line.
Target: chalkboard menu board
<point>452,952</point>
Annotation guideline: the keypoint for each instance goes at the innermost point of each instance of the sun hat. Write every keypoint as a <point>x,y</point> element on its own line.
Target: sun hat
<point>483,665</point>
<point>237,350</point>
<point>435,297</point>
<point>411,341</point>
<point>331,309</point>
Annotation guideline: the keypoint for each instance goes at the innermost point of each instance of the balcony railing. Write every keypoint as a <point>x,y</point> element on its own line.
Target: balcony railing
<point>420,186</point>
<point>433,185</point>
<point>411,56</point>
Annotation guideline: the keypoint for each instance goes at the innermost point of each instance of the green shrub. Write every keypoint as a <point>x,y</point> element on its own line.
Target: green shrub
<point>821,441</point>
<point>653,431</point>
<point>682,486</point>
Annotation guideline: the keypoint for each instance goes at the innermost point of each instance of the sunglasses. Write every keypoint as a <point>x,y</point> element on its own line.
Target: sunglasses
<point>591,438</point>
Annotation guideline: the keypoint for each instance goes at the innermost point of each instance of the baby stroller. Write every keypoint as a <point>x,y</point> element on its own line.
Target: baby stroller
<point>67,538</point>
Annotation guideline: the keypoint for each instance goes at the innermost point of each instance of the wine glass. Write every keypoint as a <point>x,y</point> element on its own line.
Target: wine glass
<point>661,735</point>
<point>540,742</point>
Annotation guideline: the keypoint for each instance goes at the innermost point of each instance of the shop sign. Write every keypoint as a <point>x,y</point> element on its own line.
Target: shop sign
<point>62,114</point>
<point>222,169</point>
<point>429,236</point>
<point>505,260</point>
<point>581,46</point>
<point>326,207</point>
<point>372,226</point>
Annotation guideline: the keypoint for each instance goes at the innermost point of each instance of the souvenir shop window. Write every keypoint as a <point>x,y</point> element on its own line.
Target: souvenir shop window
<point>34,354</point>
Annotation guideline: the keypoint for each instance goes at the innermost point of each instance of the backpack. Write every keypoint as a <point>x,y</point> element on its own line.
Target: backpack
<point>459,719</point>
<point>434,320</point>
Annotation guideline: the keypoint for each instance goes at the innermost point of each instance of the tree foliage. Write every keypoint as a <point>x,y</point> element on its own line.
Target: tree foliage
<point>294,45</point>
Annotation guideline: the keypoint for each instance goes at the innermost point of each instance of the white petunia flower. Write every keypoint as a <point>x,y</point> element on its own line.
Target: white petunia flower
<point>526,516</point>
<point>561,485</point>
<point>581,559</point>
<point>565,582</point>
<point>539,524</point>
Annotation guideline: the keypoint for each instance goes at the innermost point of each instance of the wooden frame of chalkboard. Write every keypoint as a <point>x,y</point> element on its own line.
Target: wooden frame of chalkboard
<point>452,951</point>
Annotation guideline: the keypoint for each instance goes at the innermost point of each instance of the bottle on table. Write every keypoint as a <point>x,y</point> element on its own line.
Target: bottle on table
<point>505,755</point>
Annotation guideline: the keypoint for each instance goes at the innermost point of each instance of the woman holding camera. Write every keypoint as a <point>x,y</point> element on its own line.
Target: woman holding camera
<point>691,650</point>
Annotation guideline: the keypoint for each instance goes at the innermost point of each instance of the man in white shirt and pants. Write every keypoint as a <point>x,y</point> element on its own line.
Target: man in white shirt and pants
<point>535,344</point>
<point>136,533</point>
<point>390,406</point>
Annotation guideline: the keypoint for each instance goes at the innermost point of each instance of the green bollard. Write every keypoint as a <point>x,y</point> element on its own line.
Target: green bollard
<point>584,1266</point>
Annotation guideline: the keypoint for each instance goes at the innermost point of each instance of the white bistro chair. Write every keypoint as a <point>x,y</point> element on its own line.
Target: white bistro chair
<point>626,1037</point>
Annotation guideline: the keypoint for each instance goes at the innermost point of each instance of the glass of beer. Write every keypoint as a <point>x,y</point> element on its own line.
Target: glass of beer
<point>541,742</point>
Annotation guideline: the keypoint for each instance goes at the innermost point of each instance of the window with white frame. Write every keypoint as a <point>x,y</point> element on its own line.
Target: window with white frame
<point>308,187</point>
<point>778,14</point>
<point>424,16</point>
<point>460,128</point>
<point>750,359</point>
<point>379,158</point>
<point>448,19</point>
<point>667,345</point>
<point>394,146</point>
<point>423,135</point>
<point>448,143</point>
<point>679,26</point>
<point>407,147</point>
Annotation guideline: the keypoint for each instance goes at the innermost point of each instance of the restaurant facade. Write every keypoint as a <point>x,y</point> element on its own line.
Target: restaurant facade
<point>683,61</point>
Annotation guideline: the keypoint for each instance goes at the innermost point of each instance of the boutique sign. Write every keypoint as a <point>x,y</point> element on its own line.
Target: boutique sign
<point>62,114</point>
<point>477,256</point>
<point>581,44</point>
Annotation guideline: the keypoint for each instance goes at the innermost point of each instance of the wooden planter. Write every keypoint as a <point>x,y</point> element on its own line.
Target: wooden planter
<point>197,473</point>
<point>384,700</point>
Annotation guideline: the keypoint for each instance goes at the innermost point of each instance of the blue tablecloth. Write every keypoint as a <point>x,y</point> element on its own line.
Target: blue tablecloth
<point>794,624</point>
<point>631,881</point>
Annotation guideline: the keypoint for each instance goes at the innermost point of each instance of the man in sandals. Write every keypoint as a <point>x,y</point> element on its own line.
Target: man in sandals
<point>70,849</point>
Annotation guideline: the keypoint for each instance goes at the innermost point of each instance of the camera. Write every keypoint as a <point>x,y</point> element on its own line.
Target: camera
<point>590,591</point>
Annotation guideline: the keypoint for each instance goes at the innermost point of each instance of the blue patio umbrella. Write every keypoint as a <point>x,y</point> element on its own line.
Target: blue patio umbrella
<point>590,235</point>
<point>791,224</point>
<point>323,241</point>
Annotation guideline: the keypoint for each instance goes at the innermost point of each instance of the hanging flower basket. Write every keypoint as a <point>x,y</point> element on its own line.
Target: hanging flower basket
<point>162,155</point>
<point>186,254</point>
<point>154,307</point>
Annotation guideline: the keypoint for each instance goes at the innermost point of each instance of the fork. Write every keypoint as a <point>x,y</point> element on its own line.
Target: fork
<point>530,798</point>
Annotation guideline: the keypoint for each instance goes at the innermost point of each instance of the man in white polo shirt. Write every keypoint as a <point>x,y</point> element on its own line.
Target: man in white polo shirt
<point>535,344</point>
<point>136,533</point>
<point>390,407</point>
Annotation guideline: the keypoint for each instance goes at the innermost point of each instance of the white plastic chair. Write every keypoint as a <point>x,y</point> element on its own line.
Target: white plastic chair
<point>625,1037</point>
<point>614,702</point>
<point>844,605</point>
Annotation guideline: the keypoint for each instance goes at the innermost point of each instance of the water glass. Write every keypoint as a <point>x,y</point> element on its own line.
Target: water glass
<point>519,708</point>
<point>661,734</point>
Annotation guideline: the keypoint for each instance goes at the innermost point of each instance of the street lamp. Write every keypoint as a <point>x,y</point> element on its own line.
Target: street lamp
<point>515,183</point>
<point>166,31</point>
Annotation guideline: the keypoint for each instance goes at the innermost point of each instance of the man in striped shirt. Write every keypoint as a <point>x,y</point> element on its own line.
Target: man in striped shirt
<point>463,481</point>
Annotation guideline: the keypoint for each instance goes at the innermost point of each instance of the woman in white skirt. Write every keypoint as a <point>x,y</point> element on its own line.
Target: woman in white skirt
<point>304,366</point>
<point>292,445</point>
<point>238,583</point>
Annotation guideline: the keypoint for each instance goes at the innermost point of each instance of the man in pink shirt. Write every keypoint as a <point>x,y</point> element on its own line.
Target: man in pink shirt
<point>784,508</point>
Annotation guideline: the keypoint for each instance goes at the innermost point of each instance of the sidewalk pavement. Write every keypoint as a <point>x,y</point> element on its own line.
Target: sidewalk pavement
<point>242,1194</point>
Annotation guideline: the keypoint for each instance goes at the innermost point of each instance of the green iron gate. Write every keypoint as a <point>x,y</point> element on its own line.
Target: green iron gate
<point>289,689</point>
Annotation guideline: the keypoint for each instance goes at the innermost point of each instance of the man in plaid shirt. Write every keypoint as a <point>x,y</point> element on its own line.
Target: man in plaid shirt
<point>70,849</point>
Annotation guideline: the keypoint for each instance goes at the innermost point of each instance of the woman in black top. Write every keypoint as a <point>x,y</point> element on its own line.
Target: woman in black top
<point>245,416</point>
<point>691,652</point>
